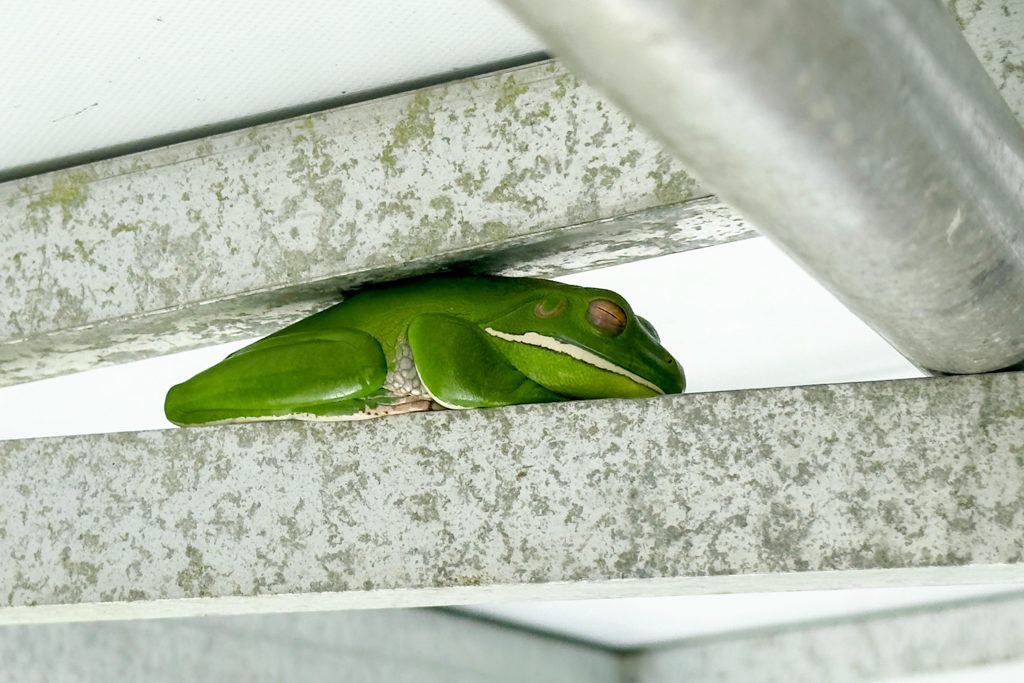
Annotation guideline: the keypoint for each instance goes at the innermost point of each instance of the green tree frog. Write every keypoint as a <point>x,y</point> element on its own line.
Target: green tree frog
<point>433,343</point>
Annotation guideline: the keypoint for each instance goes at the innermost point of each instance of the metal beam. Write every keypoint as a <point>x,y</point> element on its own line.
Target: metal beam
<point>968,634</point>
<point>542,252</point>
<point>993,29</point>
<point>427,646</point>
<point>369,646</point>
<point>236,235</point>
<point>917,481</point>
<point>863,135</point>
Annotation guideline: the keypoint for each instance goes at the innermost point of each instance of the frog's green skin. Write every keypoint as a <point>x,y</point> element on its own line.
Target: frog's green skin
<point>433,343</point>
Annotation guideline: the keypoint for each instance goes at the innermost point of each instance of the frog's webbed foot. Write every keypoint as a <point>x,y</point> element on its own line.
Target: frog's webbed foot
<point>403,405</point>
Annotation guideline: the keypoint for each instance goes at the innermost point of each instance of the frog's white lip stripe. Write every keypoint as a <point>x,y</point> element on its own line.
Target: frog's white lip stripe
<point>552,344</point>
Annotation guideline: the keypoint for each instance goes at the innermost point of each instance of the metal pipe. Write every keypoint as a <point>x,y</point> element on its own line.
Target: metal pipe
<point>861,135</point>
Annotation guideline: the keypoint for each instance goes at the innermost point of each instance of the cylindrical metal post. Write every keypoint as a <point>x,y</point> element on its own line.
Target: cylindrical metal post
<point>862,135</point>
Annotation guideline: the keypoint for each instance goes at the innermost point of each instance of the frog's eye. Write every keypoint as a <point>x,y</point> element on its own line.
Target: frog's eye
<point>544,309</point>
<point>607,316</point>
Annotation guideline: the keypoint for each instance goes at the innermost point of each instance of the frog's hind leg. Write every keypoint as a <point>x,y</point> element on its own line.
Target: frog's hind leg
<point>327,374</point>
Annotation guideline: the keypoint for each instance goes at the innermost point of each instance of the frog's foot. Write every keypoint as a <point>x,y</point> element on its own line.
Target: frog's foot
<point>364,408</point>
<point>404,404</point>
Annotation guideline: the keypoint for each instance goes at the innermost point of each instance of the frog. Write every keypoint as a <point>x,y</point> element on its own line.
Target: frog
<point>441,342</point>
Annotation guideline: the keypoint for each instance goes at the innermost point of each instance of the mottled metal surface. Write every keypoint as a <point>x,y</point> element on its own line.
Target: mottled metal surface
<point>821,485</point>
<point>914,642</point>
<point>281,215</point>
<point>368,646</point>
<point>994,29</point>
<point>545,252</point>
<point>426,646</point>
<point>864,136</point>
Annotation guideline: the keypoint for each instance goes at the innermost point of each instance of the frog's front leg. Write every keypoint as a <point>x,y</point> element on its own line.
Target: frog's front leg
<point>460,368</point>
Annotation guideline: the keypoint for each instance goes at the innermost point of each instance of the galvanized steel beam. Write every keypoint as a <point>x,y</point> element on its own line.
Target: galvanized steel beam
<point>862,135</point>
<point>966,635</point>
<point>368,646</point>
<point>233,236</point>
<point>427,646</point>
<point>917,481</point>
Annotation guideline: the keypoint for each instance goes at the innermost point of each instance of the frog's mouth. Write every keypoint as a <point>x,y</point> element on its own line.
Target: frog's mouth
<point>582,355</point>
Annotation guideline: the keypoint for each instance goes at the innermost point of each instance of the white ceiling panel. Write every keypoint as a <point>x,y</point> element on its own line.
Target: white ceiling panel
<point>81,77</point>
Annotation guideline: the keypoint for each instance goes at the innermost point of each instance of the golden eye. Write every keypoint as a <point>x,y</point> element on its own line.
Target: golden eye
<point>542,310</point>
<point>607,316</point>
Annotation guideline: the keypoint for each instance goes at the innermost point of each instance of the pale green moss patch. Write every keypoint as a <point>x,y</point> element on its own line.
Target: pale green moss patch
<point>510,91</point>
<point>508,192</point>
<point>417,124</point>
<point>67,191</point>
<point>196,580</point>
<point>124,227</point>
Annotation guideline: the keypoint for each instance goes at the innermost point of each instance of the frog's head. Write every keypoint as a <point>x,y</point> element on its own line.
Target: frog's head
<point>586,343</point>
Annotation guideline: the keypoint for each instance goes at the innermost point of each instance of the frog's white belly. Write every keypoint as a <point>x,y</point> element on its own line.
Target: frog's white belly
<point>403,379</point>
<point>403,384</point>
